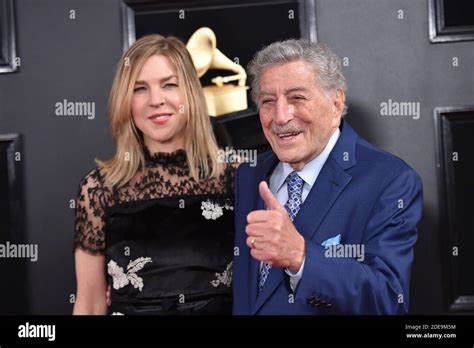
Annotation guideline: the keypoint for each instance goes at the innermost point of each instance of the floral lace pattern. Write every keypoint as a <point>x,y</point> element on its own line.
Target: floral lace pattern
<point>121,279</point>
<point>224,278</point>
<point>165,175</point>
<point>212,210</point>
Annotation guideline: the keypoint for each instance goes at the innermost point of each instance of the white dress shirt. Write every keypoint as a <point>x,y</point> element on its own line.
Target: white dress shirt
<point>309,174</point>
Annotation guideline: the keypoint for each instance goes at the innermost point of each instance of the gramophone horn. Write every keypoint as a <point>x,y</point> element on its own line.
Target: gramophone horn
<point>221,97</point>
<point>201,46</point>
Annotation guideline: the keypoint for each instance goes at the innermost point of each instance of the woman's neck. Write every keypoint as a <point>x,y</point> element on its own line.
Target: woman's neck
<point>163,147</point>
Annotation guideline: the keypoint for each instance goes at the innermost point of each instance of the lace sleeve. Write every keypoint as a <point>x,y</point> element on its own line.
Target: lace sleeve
<point>90,203</point>
<point>229,175</point>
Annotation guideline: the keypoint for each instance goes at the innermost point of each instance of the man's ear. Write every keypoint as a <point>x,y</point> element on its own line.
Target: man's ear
<point>339,102</point>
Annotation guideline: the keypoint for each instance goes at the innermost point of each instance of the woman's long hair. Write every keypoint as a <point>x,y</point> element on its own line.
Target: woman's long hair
<point>200,143</point>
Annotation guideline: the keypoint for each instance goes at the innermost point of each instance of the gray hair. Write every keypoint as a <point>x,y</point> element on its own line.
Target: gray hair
<point>326,64</point>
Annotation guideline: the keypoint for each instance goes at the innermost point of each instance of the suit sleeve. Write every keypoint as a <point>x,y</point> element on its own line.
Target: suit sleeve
<point>379,284</point>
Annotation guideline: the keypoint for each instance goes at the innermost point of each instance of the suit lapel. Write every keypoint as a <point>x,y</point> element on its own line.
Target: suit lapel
<point>275,277</point>
<point>330,183</point>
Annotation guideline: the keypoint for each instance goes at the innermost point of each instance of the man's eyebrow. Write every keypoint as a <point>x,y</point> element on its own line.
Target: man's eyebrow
<point>296,89</point>
<point>164,79</point>
<point>288,91</point>
<point>264,94</point>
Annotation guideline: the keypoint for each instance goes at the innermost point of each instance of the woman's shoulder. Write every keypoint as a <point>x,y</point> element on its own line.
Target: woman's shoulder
<point>93,178</point>
<point>93,182</point>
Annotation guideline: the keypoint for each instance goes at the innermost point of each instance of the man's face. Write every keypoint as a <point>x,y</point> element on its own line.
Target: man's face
<point>297,117</point>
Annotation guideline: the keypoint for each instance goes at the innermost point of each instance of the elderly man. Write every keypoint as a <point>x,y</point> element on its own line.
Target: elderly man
<point>326,222</point>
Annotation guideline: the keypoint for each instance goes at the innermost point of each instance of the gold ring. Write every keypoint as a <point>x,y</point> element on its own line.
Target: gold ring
<point>253,242</point>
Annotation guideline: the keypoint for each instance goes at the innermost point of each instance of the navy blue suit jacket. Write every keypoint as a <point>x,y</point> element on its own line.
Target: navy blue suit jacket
<point>366,195</point>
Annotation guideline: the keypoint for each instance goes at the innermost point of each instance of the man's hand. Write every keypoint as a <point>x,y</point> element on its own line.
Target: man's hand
<point>272,237</point>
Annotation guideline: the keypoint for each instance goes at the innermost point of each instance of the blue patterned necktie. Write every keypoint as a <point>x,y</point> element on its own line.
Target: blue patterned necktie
<point>295,199</point>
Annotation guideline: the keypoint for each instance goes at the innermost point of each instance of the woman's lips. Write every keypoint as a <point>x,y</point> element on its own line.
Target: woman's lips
<point>160,119</point>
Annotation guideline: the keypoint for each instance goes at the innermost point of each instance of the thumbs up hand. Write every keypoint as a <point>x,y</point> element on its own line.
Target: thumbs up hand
<point>272,237</point>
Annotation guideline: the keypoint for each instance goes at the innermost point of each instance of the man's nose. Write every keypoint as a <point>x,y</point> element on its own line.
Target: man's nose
<point>283,113</point>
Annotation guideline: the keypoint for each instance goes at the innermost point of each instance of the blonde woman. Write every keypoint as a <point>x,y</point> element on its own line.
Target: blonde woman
<point>155,222</point>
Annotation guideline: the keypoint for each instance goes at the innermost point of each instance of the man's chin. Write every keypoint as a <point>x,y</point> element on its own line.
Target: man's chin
<point>288,157</point>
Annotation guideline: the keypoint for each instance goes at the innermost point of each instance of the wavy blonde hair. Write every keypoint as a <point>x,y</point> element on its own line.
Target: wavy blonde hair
<point>200,143</point>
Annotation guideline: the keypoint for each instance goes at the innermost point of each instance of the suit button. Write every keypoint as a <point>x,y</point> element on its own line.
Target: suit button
<point>328,305</point>
<point>311,300</point>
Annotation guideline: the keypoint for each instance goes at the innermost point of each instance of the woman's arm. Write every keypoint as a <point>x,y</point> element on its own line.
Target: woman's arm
<point>91,284</point>
<point>89,245</point>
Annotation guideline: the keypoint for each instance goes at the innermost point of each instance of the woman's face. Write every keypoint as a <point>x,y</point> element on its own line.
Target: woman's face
<point>158,105</point>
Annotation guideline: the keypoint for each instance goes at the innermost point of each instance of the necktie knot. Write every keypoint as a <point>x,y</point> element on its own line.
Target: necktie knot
<point>295,185</point>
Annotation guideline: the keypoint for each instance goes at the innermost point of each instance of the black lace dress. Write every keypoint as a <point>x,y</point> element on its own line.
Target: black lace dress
<point>167,239</point>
